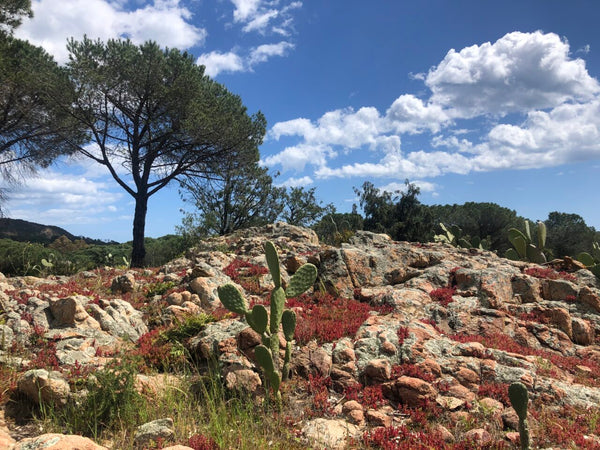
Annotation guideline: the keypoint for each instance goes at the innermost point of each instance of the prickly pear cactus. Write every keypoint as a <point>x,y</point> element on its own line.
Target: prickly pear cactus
<point>524,249</point>
<point>268,325</point>
<point>519,398</point>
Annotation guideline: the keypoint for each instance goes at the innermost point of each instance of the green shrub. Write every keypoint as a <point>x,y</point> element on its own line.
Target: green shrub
<point>158,288</point>
<point>111,400</point>
<point>191,326</point>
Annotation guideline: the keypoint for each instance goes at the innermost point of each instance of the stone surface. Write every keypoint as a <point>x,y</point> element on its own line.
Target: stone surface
<point>7,337</point>
<point>152,431</point>
<point>478,437</point>
<point>330,434</point>
<point>242,379</point>
<point>118,318</point>
<point>409,391</point>
<point>583,332</point>
<point>44,387</point>
<point>54,441</point>
<point>378,371</point>
<point>123,283</point>
<point>70,312</point>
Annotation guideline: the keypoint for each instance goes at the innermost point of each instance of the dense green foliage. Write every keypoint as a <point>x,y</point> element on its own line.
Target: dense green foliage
<point>336,228</point>
<point>35,100</point>
<point>301,207</point>
<point>240,197</point>
<point>480,220</point>
<point>399,214</point>
<point>568,234</point>
<point>12,13</point>
<point>236,198</point>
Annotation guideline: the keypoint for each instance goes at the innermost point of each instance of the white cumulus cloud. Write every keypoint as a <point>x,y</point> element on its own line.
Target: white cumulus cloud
<point>216,62</point>
<point>164,21</point>
<point>264,16</point>
<point>264,52</point>
<point>296,182</point>
<point>519,72</point>
<point>232,61</point>
<point>299,156</point>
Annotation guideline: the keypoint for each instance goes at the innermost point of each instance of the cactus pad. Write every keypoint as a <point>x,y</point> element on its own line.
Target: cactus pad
<point>265,360</point>
<point>517,392</point>
<point>541,234</point>
<point>586,259</point>
<point>259,319</point>
<point>535,254</point>
<point>273,263</point>
<point>519,241</point>
<point>277,305</point>
<point>232,299</point>
<point>288,322</point>
<point>302,280</point>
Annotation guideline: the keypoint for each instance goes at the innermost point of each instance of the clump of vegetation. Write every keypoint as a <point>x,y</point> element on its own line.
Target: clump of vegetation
<point>326,318</point>
<point>246,274</point>
<point>337,228</point>
<point>163,348</point>
<point>443,295</point>
<point>67,258</point>
<point>110,400</point>
<point>548,273</point>
<point>158,288</point>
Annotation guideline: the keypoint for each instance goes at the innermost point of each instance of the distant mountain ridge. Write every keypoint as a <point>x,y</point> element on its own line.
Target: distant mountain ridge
<point>24,231</point>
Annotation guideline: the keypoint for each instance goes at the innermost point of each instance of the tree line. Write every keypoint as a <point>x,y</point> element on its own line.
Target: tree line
<point>248,199</point>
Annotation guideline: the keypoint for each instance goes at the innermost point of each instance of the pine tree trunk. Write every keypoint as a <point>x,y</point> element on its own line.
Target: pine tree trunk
<point>138,253</point>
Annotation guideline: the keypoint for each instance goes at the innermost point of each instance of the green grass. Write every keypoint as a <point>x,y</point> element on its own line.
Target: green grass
<point>112,410</point>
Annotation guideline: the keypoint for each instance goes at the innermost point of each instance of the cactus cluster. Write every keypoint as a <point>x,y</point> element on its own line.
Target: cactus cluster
<point>454,236</point>
<point>268,325</point>
<point>591,261</point>
<point>519,398</point>
<point>524,249</point>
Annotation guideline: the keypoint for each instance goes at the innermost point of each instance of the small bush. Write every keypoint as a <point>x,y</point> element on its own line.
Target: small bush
<point>202,442</point>
<point>191,326</point>
<point>110,401</point>
<point>158,288</point>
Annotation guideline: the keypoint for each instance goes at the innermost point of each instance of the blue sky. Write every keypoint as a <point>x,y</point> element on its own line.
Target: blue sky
<point>472,100</point>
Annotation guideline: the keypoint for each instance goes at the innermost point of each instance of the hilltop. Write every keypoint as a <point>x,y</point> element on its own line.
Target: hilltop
<point>397,345</point>
<point>24,231</point>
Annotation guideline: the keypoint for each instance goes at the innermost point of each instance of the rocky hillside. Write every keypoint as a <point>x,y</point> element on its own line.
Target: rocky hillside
<point>400,345</point>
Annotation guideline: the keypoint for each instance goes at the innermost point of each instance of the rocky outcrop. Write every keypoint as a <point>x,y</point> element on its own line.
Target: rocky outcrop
<point>449,328</point>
